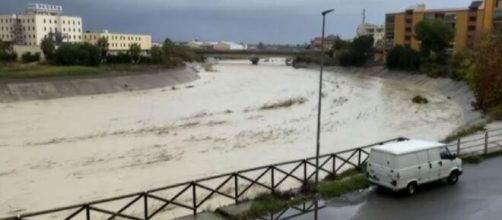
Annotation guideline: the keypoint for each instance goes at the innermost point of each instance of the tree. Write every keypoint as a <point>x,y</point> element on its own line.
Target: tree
<point>17,32</point>
<point>403,58</point>
<point>483,72</point>
<point>103,47</point>
<point>363,46</point>
<point>435,38</point>
<point>77,54</point>
<point>157,54</point>
<point>48,48</point>
<point>134,52</point>
<point>6,52</point>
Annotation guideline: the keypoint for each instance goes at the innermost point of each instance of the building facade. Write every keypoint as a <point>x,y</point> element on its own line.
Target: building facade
<point>481,17</point>
<point>376,31</point>
<point>329,42</point>
<point>37,22</point>
<point>118,42</point>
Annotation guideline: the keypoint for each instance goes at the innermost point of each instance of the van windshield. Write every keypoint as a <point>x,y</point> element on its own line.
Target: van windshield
<point>382,159</point>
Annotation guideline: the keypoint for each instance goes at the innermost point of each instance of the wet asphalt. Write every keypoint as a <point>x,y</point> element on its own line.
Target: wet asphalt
<point>477,195</point>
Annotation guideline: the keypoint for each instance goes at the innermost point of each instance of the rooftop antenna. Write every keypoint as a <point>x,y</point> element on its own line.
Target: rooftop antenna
<point>364,15</point>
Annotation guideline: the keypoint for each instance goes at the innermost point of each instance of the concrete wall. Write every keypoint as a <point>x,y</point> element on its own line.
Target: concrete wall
<point>23,90</point>
<point>22,49</point>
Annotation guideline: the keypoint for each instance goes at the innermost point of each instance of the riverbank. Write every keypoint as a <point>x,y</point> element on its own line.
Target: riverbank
<point>92,81</point>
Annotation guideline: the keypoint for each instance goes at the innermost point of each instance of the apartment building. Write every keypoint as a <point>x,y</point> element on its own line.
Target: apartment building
<point>376,31</point>
<point>37,22</point>
<point>119,42</point>
<point>480,17</point>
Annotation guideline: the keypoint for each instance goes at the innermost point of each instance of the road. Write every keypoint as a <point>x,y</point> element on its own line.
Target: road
<point>478,195</point>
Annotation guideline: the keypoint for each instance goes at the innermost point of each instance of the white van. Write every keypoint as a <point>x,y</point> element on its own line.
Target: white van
<point>409,163</point>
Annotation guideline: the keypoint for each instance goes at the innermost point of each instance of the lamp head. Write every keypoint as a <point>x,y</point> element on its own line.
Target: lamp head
<point>327,12</point>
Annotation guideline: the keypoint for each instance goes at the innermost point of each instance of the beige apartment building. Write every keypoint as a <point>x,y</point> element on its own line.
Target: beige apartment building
<point>118,42</point>
<point>37,22</point>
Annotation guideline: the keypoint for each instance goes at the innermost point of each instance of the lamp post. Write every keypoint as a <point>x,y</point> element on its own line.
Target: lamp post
<point>324,13</point>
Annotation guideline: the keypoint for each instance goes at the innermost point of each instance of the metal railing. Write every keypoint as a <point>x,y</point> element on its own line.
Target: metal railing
<point>194,196</point>
<point>480,143</point>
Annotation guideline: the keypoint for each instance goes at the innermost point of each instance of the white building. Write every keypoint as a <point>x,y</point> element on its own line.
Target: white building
<point>377,31</point>
<point>37,22</point>
<point>120,41</point>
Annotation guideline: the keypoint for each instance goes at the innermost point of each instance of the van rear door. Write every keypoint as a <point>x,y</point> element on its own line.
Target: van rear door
<point>381,167</point>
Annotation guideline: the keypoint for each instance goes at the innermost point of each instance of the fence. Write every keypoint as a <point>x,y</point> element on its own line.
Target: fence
<point>194,196</point>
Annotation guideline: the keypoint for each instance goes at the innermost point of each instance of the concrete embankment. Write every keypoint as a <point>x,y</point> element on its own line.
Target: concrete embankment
<point>49,88</point>
<point>458,91</point>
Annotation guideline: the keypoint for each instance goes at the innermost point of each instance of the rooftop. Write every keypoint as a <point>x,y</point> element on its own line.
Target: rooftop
<point>407,146</point>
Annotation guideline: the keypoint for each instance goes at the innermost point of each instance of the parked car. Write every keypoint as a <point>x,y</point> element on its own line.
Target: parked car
<point>404,165</point>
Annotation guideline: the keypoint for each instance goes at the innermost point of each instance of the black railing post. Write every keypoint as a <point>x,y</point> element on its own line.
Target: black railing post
<point>486,143</point>
<point>194,199</point>
<point>334,164</point>
<point>305,180</point>
<point>236,184</point>
<point>145,203</point>
<point>359,158</point>
<point>87,212</point>
<point>272,179</point>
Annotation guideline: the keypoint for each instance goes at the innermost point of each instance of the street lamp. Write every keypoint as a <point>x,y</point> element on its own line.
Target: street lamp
<point>324,13</point>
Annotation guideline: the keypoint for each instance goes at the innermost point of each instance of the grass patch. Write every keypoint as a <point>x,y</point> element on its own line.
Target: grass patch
<point>495,113</point>
<point>419,100</point>
<point>264,204</point>
<point>284,103</point>
<point>464,132</point>
<point>330,189</point>
<point>473,159</point>
<point>18,71</point>
<point>271,203</point>
<point>46,71</point>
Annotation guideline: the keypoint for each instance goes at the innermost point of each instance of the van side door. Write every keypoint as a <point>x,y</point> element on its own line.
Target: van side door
<point>434,164</point>
<point>423,166</point>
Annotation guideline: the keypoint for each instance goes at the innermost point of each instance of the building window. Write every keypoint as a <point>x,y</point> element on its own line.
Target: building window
<point>472,28</point>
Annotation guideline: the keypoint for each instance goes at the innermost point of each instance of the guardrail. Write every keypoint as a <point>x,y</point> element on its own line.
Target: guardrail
<point>193,195</point>
<point>483,143</point>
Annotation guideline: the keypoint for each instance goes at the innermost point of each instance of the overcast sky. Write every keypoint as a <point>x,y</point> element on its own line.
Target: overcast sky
<point>270,21</point>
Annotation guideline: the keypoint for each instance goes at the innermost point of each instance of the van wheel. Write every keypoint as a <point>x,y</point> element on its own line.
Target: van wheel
<point>411,188</point>
<point>453,178</point>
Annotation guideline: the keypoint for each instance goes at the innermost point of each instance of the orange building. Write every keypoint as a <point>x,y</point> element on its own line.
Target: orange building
<point>481,17</point>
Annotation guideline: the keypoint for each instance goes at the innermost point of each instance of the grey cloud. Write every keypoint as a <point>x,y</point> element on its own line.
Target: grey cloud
<point>274,21</point>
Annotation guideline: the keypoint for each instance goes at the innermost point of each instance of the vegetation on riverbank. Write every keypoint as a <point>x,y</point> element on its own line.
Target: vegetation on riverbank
<point>71,59</point>
<point>20,71</point>
<point>465,132</point>
<point>330,187</point>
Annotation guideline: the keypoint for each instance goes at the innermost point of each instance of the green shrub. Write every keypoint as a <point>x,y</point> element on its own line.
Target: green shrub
<point>29,58</point>
<point>8,57</point>
<point>474,159</point>
<point>254,60</point>
<point>77,54</point>
<point>495,113</point>
<point>403,58</point>
<point>120,58</point>
<point>336,188</point>
<point>419,100</point>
